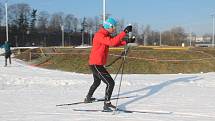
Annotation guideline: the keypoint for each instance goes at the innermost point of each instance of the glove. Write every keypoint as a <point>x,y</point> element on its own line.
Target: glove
<point>128,29</point>
<point>131,40</point>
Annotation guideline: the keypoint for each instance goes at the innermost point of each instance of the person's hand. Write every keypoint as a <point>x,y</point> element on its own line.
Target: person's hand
<point>131,40</point>
<point>128,29</point>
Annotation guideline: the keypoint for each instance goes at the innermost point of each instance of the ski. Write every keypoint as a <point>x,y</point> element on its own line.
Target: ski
<point>125,111</point>
<point>97,100</point>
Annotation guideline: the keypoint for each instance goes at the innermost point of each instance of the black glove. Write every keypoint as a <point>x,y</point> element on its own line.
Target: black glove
<point>131,40</point>
<point>128,29</point>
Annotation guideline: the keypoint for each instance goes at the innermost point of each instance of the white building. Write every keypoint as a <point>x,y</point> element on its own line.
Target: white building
<point>199,39</point>
<point>203,39</point>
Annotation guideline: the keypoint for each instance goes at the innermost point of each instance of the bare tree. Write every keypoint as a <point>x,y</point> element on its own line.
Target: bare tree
<point>69,27</point>
<point>68,22</point>
<point>147,34</point>
<point>19,13</point>
<point>140,35</point>
<point>75,23</point>
<point>18,19</point>
<point>56,21</point>
<point>121,25</point>
<point>135,29</point>
<point>174,37</point>
<point>178,35</point>
<point>97,23</point>
<point>33,19</point>
<point>166,38</point>
<point>42,22</point>
<point>90,24</point>
<point>42,26</point>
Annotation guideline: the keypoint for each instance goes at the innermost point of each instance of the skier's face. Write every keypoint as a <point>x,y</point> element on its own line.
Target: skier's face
<point>112,29</point>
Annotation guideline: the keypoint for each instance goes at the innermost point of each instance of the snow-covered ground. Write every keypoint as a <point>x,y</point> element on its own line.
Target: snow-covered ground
<point>29,93</point>
<point>1,51</point>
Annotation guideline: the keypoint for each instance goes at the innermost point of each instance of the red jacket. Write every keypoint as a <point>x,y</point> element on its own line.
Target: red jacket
<point>101,42</point>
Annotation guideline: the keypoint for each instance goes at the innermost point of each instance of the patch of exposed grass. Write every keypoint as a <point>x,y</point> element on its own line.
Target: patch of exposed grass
<point>140,60</point>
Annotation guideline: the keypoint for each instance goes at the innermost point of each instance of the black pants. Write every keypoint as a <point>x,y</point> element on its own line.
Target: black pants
<point>7,56</point>
<point>100,73</point>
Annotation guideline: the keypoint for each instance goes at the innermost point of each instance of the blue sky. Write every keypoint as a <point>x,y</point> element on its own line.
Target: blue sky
<point>193,15</point>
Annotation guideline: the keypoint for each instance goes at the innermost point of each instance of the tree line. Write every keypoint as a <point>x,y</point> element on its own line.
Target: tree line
<point>31,27</point>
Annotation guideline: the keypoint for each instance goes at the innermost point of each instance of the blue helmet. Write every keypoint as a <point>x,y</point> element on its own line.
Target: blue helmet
<point>109,23</point>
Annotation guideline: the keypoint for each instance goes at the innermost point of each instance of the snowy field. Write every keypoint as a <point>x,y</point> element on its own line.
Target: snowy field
<point>29,93</point>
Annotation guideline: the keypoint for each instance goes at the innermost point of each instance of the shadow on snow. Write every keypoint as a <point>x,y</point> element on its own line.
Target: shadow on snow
<point>154,89</point>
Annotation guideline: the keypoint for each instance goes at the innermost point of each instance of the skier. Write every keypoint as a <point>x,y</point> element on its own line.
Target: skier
<point>101,42</point>
<point>8,53</point>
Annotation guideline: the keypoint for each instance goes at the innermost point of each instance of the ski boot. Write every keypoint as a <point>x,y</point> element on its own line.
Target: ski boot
<point>108,107</point>
<point>89,99</point>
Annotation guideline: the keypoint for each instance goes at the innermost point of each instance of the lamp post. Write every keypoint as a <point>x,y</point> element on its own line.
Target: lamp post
<point>84,24</point>
<point>6,21</point>
<point>104,9</point>
<point>213,30</point>
<point>160,39</point>
<point>191,37</point>
<point>62,29</point>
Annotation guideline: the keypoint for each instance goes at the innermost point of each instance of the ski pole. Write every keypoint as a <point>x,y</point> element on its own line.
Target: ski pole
<point>122,71</point>
<point>122,54</point>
